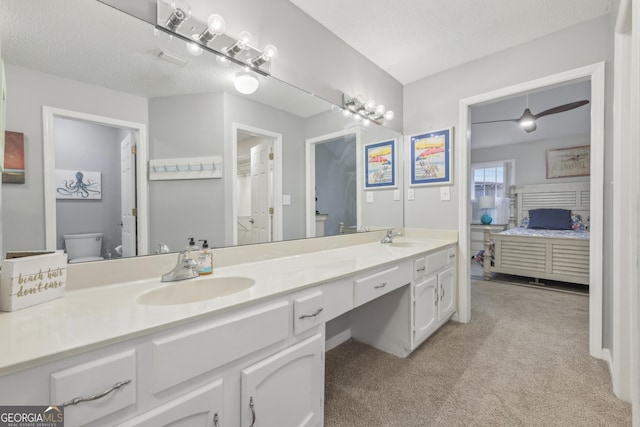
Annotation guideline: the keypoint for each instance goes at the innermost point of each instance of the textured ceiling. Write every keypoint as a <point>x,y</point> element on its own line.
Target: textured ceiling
<point>413,39</point>
<point>90,42</point>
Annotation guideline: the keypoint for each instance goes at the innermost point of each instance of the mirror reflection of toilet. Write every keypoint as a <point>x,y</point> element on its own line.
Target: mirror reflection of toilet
<point>83,247</point>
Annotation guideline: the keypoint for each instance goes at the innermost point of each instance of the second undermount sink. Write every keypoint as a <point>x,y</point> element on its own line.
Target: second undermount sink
<point>405,245</point>
<point>201,289</point>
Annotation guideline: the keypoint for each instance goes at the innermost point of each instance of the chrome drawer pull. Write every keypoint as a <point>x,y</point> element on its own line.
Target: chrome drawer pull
<point>436,299</point>
<point>452,256</point>
<point>380,286</point>
<point>253,412</point>
<point>96,396</point>
<point>215,420</point>
<point>442,294</point>
<point>314,314</point>
<point>421,269</point>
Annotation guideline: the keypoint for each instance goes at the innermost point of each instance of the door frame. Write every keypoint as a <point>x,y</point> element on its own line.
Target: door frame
<point>310,175</point>
<point>142,195</point>
<point>596,74</point>
<point>277,179</point>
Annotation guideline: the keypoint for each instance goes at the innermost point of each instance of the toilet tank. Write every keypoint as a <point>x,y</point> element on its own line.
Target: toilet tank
<point>83,245</point>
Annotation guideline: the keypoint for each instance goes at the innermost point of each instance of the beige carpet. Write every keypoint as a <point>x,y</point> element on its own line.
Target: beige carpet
<point>522,361</point>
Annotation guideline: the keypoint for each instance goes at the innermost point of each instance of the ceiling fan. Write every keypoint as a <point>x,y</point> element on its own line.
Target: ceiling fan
<point>528,119</point>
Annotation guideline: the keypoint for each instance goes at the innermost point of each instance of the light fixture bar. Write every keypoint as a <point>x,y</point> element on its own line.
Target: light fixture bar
<point>357,109</point>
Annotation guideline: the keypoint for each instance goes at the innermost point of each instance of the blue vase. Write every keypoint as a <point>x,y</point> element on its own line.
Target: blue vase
<point>486,219</point>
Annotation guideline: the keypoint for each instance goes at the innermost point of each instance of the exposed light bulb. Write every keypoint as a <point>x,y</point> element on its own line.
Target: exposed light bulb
<point>346,113</point>
<point>389,115</point>
<point>366,122</point>
<point>380,109</point>
<point>216,24</point>
<point>223,60</point>
<point>357,117</point>
<point>247,39</point>
<point>180,12</point>
<point>370,105</point>
<point>269,53</point>
<point>245,83</point>
<point>193,48</point>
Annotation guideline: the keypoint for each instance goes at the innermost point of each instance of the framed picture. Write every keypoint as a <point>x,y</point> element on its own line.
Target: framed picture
<point>78,185</point>
<point>565,162</point>
<point>430,158</point>
<point>13,171</point>
<point>380,165</point>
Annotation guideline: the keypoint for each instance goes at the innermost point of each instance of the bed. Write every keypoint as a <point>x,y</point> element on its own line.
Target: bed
<point>561,255</point>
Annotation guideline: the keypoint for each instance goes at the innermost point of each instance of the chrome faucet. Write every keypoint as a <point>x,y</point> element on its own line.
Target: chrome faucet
<point>186,268</point>
<point>390,235</point>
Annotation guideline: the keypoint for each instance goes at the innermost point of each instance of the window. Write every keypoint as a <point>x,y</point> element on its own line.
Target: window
<point>492,179</point>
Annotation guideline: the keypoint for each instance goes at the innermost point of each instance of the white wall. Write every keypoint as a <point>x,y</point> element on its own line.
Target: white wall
<point>89,147</point>
<point>530,158</point>
<point>27,91</point>
<point>432,103</point>
<point>311,57</point>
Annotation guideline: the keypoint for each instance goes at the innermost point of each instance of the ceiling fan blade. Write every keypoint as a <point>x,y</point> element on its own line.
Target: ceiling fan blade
<point>496,121</point>
<point>561,108</point>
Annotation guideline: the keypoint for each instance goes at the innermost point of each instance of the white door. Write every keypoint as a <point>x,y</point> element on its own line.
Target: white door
<point>262,192</point>
<point>446,282</point>
<point>128,195</point>
<point>425,308</point>
<point>286,389</point>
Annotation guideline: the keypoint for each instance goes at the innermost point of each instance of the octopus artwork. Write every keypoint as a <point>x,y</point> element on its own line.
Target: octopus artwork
<point>79,188</point>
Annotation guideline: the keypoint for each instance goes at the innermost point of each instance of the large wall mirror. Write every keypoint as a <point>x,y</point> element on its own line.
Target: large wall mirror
<point>86,82</point>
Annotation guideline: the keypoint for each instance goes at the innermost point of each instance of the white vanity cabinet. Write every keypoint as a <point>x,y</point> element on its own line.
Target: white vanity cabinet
<point>287,388</point>
<point>433,294</point>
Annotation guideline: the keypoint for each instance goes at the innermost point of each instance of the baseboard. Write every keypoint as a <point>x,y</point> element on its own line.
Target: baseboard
<point>337,339</point>
<point>606,356</point>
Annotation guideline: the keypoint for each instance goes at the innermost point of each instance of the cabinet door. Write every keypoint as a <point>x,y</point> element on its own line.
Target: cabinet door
<point>285,389</point>
<point>201,407</point>
<point>425,308</point>
<point>447,285</point>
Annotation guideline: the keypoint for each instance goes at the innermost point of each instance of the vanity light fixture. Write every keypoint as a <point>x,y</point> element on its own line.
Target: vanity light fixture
<point>246,82</point>
<point>180,12</point>
<point>215,26</point>
<point>359,109</point>
<point>194,48</point>
<point>269,53</point>
<point>244,41</point>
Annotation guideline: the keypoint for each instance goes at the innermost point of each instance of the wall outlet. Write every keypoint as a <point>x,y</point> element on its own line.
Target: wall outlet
<point>369,196</point>
<point>286,199</point>
<point>411,194</point>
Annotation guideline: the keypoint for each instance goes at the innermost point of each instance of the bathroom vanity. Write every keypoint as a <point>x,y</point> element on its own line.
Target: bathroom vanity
<point>249,358</point>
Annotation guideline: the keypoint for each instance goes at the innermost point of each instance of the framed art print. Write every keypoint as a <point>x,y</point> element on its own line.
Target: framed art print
<point>565,162</point>
<point>430,158</point>
<point>380,165</point>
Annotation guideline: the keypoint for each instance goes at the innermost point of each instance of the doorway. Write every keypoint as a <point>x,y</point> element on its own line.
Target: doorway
<point>257,190</point>
<point>333,177</point>
<point>116,203</point>
<point>594,73</point>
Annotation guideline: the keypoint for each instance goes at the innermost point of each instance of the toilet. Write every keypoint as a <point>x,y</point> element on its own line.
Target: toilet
<point>83,247</point>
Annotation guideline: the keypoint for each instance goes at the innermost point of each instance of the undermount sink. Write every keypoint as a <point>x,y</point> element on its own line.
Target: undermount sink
<point>201,289</point>
<point>405,245</point>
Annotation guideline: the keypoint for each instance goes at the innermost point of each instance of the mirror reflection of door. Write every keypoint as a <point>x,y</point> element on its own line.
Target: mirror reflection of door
<point>255,185</point>
<point>103,200</point>
<point>335,185</point>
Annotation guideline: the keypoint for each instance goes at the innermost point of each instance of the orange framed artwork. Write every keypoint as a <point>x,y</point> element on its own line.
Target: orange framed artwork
<point>13,172</point>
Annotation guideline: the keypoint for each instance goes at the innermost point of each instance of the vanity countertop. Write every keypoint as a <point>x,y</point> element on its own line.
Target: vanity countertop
<point>90,318</point>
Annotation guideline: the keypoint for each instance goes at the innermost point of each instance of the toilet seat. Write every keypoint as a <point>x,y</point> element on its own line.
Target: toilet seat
<point>85,259</point>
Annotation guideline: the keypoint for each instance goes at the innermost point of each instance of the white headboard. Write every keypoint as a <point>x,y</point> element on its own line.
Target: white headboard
<point>574,196</point>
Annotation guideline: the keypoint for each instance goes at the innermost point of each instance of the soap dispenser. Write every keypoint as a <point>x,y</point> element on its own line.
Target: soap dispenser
<point>205,259</point>
<point>192,248</point>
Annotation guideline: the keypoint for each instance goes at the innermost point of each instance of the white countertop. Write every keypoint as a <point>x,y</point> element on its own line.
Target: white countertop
<point>90,318</point>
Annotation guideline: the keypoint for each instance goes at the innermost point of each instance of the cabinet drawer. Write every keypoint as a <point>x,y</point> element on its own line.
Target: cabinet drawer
<point>308,311</point>
<point>216,344</point>
<point>437,261</point>
<point>338,298</point>
<point>374,285</point>
<point>93,378</point>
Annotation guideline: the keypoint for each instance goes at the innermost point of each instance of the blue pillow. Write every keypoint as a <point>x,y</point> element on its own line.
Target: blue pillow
<point>550,219</point>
